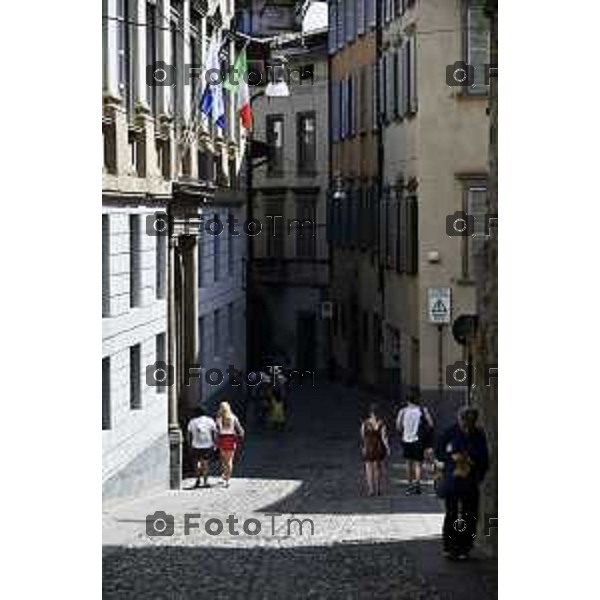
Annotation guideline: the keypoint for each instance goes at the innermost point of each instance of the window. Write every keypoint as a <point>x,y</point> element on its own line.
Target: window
<point>106,424</point>
<point>105,266</point>
<point>216,255</point>
<point>332,37</point>
<point>412,79</point>
<point>135,388</point>
<point>161,266</point>
<point>477,44</point>
<point>202,342</point>
<point>341,23</point>
<point>307,143</point>
<point>201,242</point>
<point>124,58</point>
<point>217,331</point>
<point>371,13</point>
<point>274,238</point>
<point>230,325</point>
<point>135,254</point>
<point>175,62</point>
<point>350,20</point>
<point>305,228</point>
<point>152,52</point>
<point>408,234</point>
<point>360,16</point>
<point>475,205</point>
<point>230,248</point>
<point>161,355</point>
<point>275,143</point>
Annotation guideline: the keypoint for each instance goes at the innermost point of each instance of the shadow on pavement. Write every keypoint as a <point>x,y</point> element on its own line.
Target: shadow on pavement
<point>411,569</point>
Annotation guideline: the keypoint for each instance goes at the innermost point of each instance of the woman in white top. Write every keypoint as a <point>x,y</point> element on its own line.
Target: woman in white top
<point>229,432</point>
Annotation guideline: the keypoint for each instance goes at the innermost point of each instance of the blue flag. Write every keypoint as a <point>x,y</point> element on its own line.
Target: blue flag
<point>212,104</point>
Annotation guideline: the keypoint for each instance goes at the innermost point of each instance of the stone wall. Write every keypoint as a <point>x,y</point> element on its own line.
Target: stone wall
<point>487,297</point>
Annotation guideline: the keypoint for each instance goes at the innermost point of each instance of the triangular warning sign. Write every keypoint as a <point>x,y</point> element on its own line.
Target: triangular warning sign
<point>439,307</point>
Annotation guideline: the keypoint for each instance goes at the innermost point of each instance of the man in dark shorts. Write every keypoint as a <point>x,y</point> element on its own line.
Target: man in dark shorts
<point>202,433</point>
<point>408,424</point>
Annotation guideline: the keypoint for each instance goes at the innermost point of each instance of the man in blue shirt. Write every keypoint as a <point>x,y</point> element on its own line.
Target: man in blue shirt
<point>463,451</point>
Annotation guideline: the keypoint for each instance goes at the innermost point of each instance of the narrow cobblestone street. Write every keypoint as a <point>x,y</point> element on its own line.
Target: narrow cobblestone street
<point>360,547</point>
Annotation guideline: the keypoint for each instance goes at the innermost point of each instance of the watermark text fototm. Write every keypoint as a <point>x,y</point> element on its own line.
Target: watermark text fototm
<point>258,73</point>
<point>161,374</point>
<point>162,524</point>
<point>159,224</point>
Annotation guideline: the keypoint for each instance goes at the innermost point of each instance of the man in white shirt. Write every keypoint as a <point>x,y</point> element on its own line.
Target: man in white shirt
<point>408,424</point>
<point>202,433</point>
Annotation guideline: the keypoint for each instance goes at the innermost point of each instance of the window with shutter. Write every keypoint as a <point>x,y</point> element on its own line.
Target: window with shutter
<point>403,234</point>
<point>344,88</point>
<point>360,16</point>
<point>413,235</point>
<point>371,13</point>
<point>413,100</point>
<point>477,39</point>
<point>342,22</point>
<point>374,96</point>
<point>350,106</point>
<point>475,205</point>
<point>401,85</point>
<point>395,110</point>
<point>389,77</point>
<point>331,39</point>
<point>406,76</point>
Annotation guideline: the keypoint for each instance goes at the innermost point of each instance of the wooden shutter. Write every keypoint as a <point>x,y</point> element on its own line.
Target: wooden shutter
<point>413,74</point>
<point>360,16</point>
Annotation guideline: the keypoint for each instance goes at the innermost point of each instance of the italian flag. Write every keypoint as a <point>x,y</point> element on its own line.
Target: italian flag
<point>241,90</point>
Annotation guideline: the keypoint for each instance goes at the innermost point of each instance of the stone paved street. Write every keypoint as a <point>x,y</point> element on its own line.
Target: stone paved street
<point>361,547</point>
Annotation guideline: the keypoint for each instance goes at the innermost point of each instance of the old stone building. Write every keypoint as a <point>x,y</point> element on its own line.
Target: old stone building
<point>290,191</point>
<point>423,141</point>
<point>164,163</point>
<point>357,351</point>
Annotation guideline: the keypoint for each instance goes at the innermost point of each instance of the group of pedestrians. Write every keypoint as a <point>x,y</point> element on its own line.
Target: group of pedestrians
<point>211,438</point>
<point>458,461</point>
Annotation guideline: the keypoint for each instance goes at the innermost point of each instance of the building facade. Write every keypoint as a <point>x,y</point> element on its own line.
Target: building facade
<point>172,292</point>
<point>430,149</point>
<point>357,350</point>
<point>290,265</point>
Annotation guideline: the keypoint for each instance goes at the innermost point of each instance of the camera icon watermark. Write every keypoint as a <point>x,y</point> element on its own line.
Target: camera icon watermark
<point>460,224</point>
<point>157,224</point>
<point>461,374</point>
<point>160,524</point>
<point>460,74</point>
<point>159,374</point>
<point>160,74</point>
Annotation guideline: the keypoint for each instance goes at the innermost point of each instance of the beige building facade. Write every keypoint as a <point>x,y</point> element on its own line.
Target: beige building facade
<point>429,146</point>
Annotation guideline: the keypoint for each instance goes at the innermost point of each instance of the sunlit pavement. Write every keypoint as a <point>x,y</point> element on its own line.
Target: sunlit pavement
<point>349,545</point>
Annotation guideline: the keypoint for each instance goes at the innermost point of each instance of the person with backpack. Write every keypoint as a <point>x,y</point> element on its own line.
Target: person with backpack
<point>415,425</point>
<point>375,448</point>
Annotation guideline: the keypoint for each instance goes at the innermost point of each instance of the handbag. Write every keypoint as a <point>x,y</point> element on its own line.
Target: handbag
<point>425,431</point>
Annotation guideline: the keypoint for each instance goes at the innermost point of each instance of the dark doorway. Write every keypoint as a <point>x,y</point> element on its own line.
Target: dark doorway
<point>306,340</point>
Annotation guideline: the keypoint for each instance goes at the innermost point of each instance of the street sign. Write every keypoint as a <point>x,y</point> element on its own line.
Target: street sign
<point>439,305</point>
